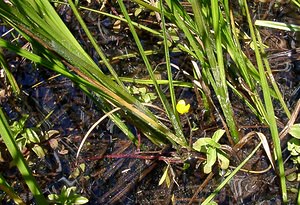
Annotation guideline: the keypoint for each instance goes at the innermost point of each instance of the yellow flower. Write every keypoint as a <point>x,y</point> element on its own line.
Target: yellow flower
<point>182,108</point>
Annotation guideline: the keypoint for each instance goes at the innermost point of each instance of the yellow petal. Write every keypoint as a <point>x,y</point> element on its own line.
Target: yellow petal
<point>182,108</point>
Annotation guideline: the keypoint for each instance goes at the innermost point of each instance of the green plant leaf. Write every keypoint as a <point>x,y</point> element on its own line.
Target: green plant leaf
<point>295,131</point>
<point>204,142</point>
<point>53,197</point>
<point>212,203</point>
<point>223,160</point>
<point>211,159</point>
<point>165,177</point>
<point>18,126</point>
<point>10,142</point>
<point>80,200</point>
<point>39,151</point>
<point>21,142</point>
<point>31,135</point>
<point>293,146</point>
<point>292,177</point>
<point>218,134</point>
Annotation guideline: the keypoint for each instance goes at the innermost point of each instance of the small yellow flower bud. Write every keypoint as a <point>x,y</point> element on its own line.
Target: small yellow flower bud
<point>182,108</point>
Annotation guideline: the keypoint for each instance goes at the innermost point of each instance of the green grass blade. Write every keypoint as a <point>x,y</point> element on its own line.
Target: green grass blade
<point>9,75</point>
<point>4,186</point>
<point>248,72</point>
<point>160,82</point>
<point>19,160</point>
<point>179,134</point>
<point>297,3</point>
<point>218,24</point>
<point>218,80</point>
<point>278,25</point>
<point>95,45</point>
<point>269,108</point>
<point>271,77</point>
<point>168,63</point>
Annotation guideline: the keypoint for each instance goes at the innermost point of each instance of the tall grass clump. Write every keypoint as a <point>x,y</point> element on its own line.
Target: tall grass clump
<point>211,35</point>
<point>38,21</point>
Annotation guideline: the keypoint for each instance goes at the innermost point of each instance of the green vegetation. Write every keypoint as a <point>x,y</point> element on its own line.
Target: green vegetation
<point>9,140</point>
<point>68,196</point>
<point>221,69</point>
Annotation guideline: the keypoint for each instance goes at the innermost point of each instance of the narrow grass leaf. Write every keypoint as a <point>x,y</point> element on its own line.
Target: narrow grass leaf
<point>94,43</point>
<point>269,107</point>
<point>278,25</point>
<point>9,75</point>
<point>18,158</point>
<point>4,186</point>
<point>168,62</point>
<point>179,137</point>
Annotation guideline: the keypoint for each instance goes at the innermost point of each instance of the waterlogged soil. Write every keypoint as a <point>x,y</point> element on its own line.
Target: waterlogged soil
<point>110,169</point>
